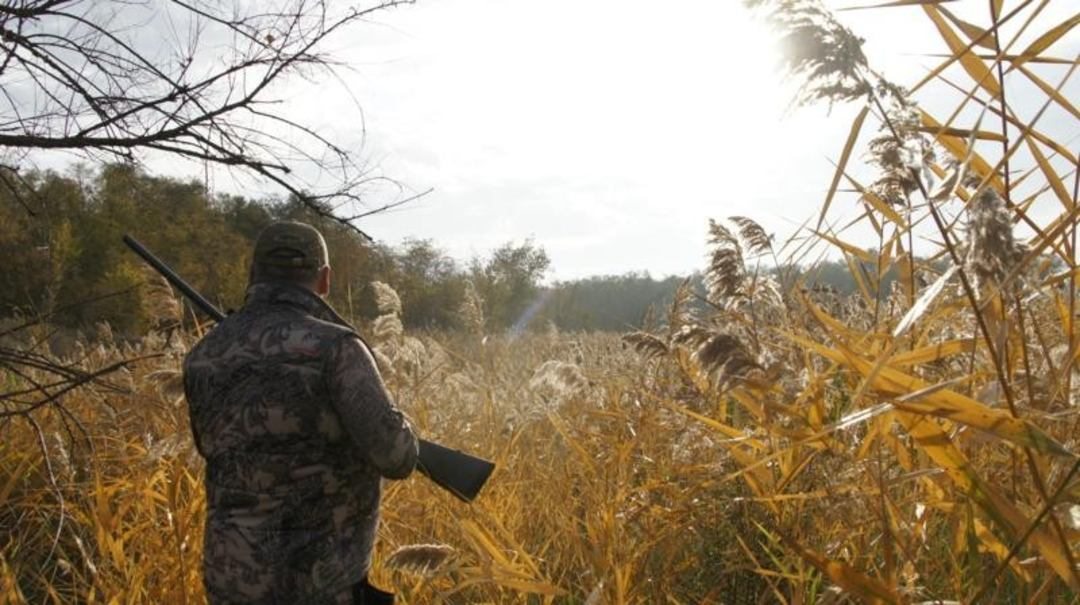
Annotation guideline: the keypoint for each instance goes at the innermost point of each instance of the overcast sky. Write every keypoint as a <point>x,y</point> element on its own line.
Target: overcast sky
<point>608,131</point>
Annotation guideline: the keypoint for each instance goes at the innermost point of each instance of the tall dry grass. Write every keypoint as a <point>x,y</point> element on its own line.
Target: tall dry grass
<point>763,441</point>
<point>916,443</point>
<point>594,492</point>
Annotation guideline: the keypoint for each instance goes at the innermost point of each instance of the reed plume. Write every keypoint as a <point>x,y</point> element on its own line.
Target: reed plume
<point>420,559</point>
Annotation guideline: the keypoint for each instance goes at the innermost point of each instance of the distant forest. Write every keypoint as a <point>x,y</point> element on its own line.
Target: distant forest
<point>60,241</point>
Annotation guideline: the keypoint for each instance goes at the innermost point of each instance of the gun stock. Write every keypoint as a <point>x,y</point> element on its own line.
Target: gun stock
<point>457,472</point>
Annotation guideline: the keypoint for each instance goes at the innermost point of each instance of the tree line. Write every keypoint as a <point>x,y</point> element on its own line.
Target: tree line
<point>60,241</point>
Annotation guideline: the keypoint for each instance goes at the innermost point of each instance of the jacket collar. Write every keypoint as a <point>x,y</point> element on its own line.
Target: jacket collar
<point>278,293</point>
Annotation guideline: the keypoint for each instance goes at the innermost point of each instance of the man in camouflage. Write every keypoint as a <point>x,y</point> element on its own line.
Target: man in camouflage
<point>298,431</point>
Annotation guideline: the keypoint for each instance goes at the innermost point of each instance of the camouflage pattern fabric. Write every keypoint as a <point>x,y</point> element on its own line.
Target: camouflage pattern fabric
<point>298,431</point>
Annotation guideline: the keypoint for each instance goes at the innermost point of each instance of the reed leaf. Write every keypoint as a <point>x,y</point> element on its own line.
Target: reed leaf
<point>841,165</point>
<point>1045,41</point>
<point>939,447</point>
<point>870,590</point>
<point>943,403</point>
<point>972,64</point>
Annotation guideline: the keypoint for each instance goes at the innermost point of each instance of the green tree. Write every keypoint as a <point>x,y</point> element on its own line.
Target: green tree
<point>430,283</point>
<point>608,302</point>
<point>509,280</point>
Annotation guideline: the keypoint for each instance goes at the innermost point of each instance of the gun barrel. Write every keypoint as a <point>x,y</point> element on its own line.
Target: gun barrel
<point>177,282</point>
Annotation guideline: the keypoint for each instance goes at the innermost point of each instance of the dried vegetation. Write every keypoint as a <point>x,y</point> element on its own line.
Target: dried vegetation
<point>763,441</point>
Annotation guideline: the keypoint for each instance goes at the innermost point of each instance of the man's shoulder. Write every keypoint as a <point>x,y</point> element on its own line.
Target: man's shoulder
<point>309,331</point>
<point>269,332</point>
<point>326,328</point>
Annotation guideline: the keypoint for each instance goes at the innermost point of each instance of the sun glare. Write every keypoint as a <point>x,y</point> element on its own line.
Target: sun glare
<point>602,110</point>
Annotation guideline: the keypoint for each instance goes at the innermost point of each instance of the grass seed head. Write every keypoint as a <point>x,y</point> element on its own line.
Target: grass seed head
<point>992,250</point>
<point>387,328</point>
<point>646,344</point>
<point>386,298</point>
<point>420,559</point>
<point>472,309</point>
<point>558,378</point>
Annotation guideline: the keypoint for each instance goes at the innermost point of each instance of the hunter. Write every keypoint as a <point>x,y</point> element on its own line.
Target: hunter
<point>298,431</point>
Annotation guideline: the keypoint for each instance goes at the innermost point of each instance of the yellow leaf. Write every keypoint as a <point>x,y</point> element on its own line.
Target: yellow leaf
<point>972,64</point>
<point>895,3</point>
<point>935,442</point>
<point>923,304</point>
<point>847,577</point>
<point>1014,58</point>
<point>486,544</point>
<point>560,428</point>
<point>998,549</point>
<point>728,431</point>
<point>901,450</point>
<point>997,4</point>
<point>749,404</point>
<point>976,34</point>
<point>837,327</point>
<point>1044,41</point>
<point>878,204</point>
<point>885,259</point>
<point>933,352</point>
<point>958,147</point>
<point>965,133</point>
<point>943,403</point>
<point>857,273</point>
<point>1052,177</point>
<point>1042,138</point>
<point>1052,92</point>
<point>851,249</point>
<point>853,135</point>
<point>756,476</point>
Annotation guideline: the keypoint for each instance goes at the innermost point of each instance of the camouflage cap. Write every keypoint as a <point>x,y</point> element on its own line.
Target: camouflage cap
<point>291,244</point>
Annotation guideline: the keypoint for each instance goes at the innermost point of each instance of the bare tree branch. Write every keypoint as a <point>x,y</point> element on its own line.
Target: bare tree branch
<point>93,77</point>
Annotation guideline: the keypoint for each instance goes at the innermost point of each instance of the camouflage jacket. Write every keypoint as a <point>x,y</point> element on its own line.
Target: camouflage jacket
<point>297,430</point>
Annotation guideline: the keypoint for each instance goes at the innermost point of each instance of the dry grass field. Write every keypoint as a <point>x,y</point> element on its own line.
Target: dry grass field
<point>598,489</point>
<point>764,441</point>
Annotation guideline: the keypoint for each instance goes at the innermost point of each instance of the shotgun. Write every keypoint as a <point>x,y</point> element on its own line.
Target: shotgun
<point>457,472</point>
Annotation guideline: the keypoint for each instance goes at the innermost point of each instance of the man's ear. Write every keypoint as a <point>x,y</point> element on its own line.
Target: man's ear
<point>322,284</point>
